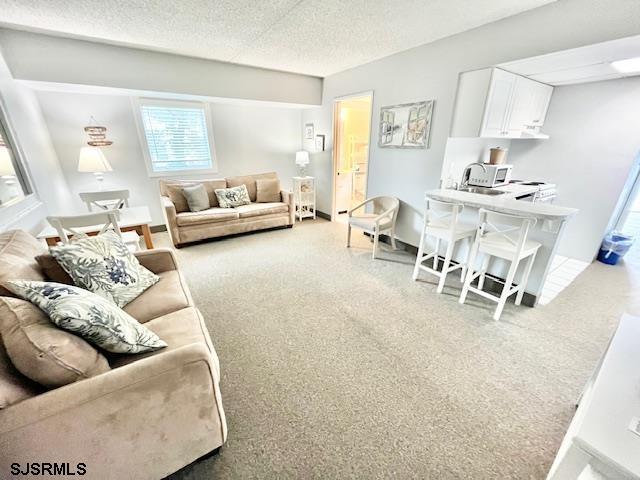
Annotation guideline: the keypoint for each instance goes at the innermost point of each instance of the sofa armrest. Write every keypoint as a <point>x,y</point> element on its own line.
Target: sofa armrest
<point>171,218</point>
<point>158,413</point>
<point>157,260</point>
<point>287,197</point>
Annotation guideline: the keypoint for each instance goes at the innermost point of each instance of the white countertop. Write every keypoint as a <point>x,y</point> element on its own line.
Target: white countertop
<point>515,189</point>
<point>504,203</point>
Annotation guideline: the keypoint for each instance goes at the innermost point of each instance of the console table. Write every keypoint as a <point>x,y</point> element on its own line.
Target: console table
<point>604,435</point>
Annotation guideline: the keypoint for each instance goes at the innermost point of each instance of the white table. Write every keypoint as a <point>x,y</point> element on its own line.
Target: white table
<point>134,218</point>
<point>599,436</point>
<point>304,196</point>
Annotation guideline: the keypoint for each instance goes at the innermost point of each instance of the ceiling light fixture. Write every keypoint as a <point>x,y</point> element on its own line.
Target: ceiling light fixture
<point>629,65</point>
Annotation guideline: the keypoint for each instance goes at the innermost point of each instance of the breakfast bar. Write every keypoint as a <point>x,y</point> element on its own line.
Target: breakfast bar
<point>550,221</point>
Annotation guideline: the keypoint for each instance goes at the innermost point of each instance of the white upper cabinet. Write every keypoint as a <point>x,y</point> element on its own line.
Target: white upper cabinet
<point>494,103</point>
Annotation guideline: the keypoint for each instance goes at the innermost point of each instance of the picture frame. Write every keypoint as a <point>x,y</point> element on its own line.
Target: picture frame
<point>308,131</point>
<point>407,125</point>
<point>320,143</point>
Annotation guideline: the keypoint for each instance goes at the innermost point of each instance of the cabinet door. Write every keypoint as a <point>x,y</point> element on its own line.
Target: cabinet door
<point>498,104</point>
<point>540,103</point>
<point>522,106</point>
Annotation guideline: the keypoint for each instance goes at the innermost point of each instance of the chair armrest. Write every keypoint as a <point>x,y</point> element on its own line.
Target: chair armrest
<point>287,197</point>
<point>157,260</point>
<point>115,422</point>
<point>170,216</point>
<point>350,212</point>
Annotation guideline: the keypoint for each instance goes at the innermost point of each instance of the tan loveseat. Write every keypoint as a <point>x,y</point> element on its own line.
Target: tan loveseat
<point>147,417</point>
<point>185,226</point>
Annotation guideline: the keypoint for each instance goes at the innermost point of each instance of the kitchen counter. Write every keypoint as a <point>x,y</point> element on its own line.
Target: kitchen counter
<point>505,203</point>
<point>552,220</point>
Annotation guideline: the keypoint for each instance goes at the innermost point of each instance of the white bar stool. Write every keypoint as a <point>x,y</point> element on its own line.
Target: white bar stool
<point>503,236</point>
<point>441,222</point>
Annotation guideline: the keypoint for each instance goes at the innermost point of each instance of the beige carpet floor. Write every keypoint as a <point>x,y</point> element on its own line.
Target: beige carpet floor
<point>337,366</point>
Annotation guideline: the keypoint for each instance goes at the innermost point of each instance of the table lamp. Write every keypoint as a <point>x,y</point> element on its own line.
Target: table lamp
<point>92,160</point>
<point>302,160</point>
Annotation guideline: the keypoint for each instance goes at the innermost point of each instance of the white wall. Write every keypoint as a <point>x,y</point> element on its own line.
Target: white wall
<point>248,139</point>
<point>431,72</point>
<point>31,134</point>
<point>44,58</point>
<point>595,138</point>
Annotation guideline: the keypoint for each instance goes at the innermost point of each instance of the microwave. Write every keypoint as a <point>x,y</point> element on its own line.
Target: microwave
<point>495,176</point>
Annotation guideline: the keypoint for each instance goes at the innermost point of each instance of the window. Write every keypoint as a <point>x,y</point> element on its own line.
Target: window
<point>177,136</point>
<point>14,183</point>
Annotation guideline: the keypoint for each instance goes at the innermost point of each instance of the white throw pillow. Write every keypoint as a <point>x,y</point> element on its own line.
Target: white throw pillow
<point>104,265</point>
<point>233,197</point>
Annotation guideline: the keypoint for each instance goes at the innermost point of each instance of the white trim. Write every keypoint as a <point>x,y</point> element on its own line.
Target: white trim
<point>138,102</point>
<point>336,100</point>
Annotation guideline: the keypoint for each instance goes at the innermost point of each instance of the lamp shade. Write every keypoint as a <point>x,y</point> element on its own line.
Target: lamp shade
<point>92,160</point>
<point>6,166</point>
<point>302,158</point>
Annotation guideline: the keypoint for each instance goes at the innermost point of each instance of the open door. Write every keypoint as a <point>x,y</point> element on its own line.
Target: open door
<point>352,132</point>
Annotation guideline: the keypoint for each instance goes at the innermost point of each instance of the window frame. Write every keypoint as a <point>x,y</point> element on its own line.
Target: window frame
<point>139,102</point>
<point>20,166</point>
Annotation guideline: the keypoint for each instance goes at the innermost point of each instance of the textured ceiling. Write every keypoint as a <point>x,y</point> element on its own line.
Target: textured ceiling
<point>315,37</point>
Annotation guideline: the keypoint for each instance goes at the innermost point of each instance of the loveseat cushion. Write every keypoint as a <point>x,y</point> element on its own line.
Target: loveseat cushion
<point>168,295</point>
<point>43,352</point>
<point>184,327</point>
<point>250,182</point>
<point>211,215</point>
<point>14,387</point>
<point>267,190</point>
<point>18,250</point>
<point>258,209</point>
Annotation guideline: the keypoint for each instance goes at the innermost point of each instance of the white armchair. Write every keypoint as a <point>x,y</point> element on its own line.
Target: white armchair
<point>382,219</point>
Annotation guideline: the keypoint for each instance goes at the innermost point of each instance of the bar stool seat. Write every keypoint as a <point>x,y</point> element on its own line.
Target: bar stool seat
<point>503,236</point>
<point>441,222</point>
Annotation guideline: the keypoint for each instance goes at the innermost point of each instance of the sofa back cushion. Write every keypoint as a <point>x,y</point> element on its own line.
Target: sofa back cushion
<point>18,250</point>
<point>250,182</point>
<point>173,190</point>
<point>14,387</point>
<point>43,352</point>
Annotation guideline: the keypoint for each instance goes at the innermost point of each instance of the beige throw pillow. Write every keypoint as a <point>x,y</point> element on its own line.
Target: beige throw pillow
<point>268,190</point>
<point>197,197</point>
<point>43,352</point>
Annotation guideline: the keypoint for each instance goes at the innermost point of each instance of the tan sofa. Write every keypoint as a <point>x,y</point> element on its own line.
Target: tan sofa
<point>185,226</point>
<point>147,417</point>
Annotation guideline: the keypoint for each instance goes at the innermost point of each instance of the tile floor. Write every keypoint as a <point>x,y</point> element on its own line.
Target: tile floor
<point>563,271</point>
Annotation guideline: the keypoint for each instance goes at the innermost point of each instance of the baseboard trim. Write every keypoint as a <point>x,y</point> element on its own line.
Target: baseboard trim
<point>320,214</point>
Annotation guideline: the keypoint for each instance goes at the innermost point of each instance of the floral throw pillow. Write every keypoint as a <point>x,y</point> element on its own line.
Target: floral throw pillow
<point>104,265</point>
<point>233,197</point>
<point>88,315</point>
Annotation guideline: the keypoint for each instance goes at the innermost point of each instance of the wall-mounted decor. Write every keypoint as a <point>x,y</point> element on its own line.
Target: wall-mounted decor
<point>405,126</point>
<point>320,143</point>
<point>308,131</point>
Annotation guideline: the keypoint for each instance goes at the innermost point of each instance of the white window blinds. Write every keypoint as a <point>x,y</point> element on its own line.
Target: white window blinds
<point>177,138</point>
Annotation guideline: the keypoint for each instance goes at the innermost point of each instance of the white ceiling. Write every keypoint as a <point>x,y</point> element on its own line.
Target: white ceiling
<point>578,65</point>
<point>314,37</point>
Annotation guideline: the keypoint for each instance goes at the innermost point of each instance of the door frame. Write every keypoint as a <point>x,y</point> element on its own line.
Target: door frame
<point>334,156</point>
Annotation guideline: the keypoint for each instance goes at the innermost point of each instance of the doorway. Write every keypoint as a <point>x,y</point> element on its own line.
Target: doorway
<point>352,132</point>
